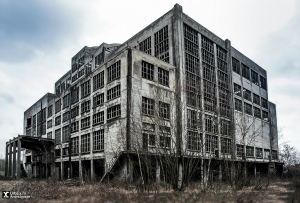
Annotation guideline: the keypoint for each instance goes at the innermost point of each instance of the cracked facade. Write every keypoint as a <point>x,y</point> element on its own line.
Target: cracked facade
<point>173,82</point>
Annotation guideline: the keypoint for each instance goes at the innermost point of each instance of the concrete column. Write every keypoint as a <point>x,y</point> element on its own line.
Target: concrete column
<point>204,173</point>
<point>6,160</point>
<point>19,159</point>
<point>92,170</point>
<point>179,175</point>
<point>9,160</point>
<point>80,169</point>
<point>157,172</point>
<point>255,170</point>
<point>220,172</point>
<point>129,170</point>
<point>14,160</point>
<point>62,170</point>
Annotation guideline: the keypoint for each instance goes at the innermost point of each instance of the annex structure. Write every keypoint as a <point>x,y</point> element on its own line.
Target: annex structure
<point>174,95</point>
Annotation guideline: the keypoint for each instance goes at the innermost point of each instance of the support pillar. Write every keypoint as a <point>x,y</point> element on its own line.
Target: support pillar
<point>179,175</point>
<point>129,170</point>
<point>220,172</point>
<point>19,158</point>
<point>80,170</point>
<point>9,160</point>
<point>157,172</point>
<point>14,160</point>
<point>92,170</point>
<point>62,170</point>
<point>6,160</point>
<point>254,170</point>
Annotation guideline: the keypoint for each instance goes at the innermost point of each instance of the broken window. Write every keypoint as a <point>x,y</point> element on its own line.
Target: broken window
<point>192,121</point>
<point>98,139</point>
<point>225,127</point>
<point>75,112</point>
<point>114,111</point>
<point>98,60</point>
<point>85,143</point>
<point>161,44</point>
<point>147,70</point>
<point>147,106</point>
<point>163,77</point>
<point>58,120</point>
<point>256,99</point>
<point>248,108</point>
<point>98,100</point>
<point>249,151</point>
<point>98,81</point>
<point>75,145</point>
<point>191,41</point>
<point>66,101</point>
<point>258,153</point>
<point>65,134</point>
<point>75,95</point>
<point>57,106</point>
<point>239,150</point>
<point>225,145</point>
<point>98,118</point>
<point>85,106</point>
<point>237,90</point>
<point>274,154</point>
<point>247,95</point>
<point>114,71</point>
<point>193,89</point>
<point>236,66</point>
<point>245,72</point>
<point>257,113</point>
<point>211,143</point>
<point>75,126</point>
<point>28,122</point>
<point>222,59</point>
<point>50,111</point>
<point>74,77</point>
<point>49,135</point>
<point>80,73</point>
<point>58,136</point>
<point>114,92</point>
<point>85,89</point>
<point>263,82</point>
<point>66,116</point>
<point>148,140</point>
<point>238,105</point>
<point>264,103</point>
<point>145,46</point>
<point>254,77</point>
<point>265,115</point>
<point>209,96</point>
<point>194,141</point>
<point>267,153</point>
<point>164,110</point>
<point>49,124</point>
<point>85,123</point>
<point>211,124</point>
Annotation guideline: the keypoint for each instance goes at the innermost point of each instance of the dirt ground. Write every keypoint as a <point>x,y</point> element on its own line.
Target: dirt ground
<point>58,191</point>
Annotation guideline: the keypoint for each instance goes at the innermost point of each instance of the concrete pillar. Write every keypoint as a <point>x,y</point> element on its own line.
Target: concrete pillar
<point>19,158</point>
<point>157,171</point>
<point>62,170</point>
<point>80,169</point>
<point>254,170</point>
<point>205,173</point>
<point>220,172</point>
<point>6,160</point>
<point>14,160</point>
<point>92,170</point>
<point>9,160</point>
<point>179,175</point>
<point>129,170</point>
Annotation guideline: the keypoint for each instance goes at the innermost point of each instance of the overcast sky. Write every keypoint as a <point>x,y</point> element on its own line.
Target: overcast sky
<point>39,38</point>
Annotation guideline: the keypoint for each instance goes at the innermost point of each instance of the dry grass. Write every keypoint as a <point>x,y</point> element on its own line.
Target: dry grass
<point>58,191</point>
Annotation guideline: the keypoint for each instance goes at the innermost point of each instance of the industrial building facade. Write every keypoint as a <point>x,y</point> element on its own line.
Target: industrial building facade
<point>174,87</point>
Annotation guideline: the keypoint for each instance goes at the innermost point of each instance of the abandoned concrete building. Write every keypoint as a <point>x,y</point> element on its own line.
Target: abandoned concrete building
<point>174,88</point>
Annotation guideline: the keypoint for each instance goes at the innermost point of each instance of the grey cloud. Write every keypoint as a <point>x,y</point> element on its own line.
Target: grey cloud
<point>8,99</point>
<point>33,26</point>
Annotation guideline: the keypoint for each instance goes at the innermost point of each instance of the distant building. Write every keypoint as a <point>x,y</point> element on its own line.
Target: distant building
<point>173,87</point>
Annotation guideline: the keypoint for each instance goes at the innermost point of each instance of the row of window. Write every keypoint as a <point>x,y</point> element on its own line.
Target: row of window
<point>148,73</point>
<point>258,152</point>
<point>256,112</point>
<point>247,95</point>
<point>246,74</point>
<point>97,139</point>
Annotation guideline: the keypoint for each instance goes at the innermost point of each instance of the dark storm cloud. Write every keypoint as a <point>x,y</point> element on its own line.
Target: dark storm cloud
<point>32,26</point>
